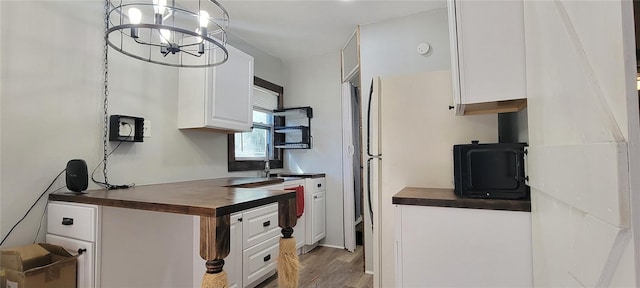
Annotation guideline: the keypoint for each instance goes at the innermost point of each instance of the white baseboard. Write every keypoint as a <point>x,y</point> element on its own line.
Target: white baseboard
<point>368,272</point>
<point>331,246</point>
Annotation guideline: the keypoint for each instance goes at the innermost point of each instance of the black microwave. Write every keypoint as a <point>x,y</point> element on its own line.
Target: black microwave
<point>490,170</point>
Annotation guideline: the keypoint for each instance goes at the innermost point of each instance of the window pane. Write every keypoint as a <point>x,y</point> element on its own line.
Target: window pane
<point>262,117</point>
<point>251,145</point>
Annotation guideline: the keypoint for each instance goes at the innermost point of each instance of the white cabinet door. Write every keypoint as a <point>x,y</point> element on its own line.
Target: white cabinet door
<point>218,97</point>
<point>233,262</point>
<point>315,209</point>
<point>319,206</point>
<point>351,56</point>
<point>488,54</point>
<point>491,247</point>
<point>86,262</point>
<point>229,98</point>
<point>299,230</point>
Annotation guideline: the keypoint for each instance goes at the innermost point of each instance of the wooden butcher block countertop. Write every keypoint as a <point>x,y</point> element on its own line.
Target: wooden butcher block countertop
<point>201,197</point>
<point>447,198</point>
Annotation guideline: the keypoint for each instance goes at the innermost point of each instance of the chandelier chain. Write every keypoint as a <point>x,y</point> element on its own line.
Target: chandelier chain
<point>106,97</point>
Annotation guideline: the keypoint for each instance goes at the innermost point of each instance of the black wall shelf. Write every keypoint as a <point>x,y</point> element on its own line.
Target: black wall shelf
<point>296,132</point>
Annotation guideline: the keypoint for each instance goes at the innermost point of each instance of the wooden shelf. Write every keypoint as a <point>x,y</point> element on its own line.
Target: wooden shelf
<point>495,107</point>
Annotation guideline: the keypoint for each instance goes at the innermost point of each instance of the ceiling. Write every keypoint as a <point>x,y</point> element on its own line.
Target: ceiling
<point>300,28</point>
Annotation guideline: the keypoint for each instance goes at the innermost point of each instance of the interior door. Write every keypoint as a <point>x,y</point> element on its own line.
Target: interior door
<point>583,137</point>
<point>347,169</point>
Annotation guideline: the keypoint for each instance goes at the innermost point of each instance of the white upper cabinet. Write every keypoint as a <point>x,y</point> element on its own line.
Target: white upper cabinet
<point>218,97</point>
<point>488,56</point>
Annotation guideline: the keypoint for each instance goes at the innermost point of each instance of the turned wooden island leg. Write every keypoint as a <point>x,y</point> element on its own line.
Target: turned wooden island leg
<point>215,237</point>
<point>288,264</point>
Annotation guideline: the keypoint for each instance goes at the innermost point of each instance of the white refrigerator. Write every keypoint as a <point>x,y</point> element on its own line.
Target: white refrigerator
<point>409,143</point>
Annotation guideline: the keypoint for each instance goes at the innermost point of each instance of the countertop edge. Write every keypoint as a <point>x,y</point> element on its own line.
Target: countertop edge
<point>138,205</point>
<point>436,197</point>
<point>303,175</point>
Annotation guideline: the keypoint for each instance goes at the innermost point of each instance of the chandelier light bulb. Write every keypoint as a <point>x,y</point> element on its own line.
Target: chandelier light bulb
<point>204,19</point>
<point>135,16</point>
<point>165,35</point>
<point>199,40</point>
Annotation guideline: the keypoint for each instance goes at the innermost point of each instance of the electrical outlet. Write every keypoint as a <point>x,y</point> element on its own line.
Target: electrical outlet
<point>146,129</point>
<point>125,128</point>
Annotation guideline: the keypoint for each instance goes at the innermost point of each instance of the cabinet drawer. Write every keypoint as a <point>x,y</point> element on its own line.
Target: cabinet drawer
<point>72,220</point>
<point>86,262</point>
<point>260,260</point>
<point>316,185</point>
<point>259,224</point>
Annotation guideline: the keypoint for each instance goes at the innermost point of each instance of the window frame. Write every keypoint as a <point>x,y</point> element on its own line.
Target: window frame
<point>251,165</point>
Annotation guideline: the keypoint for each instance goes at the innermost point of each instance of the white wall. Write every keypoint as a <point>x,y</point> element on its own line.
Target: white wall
<point>51,109</point>
<point>583,135</point>
<point>389,48</point>
<point>315,82</point>
<point>266,66</point>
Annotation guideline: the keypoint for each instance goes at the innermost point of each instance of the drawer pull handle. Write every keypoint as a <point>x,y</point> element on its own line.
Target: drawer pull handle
<point>81,251</point>
<point>319,185</point>
<point>267,258</point>
<point>67,221</point>
<point>265,224</point>
<point>315,197</point>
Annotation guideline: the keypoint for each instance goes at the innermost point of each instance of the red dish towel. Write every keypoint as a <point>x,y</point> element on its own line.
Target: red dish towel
<point>299,199</point>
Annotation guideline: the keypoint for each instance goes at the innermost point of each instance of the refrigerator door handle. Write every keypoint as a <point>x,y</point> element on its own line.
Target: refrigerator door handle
<point>369,124</point>
<point>371,156</point>
<point>369,189</point>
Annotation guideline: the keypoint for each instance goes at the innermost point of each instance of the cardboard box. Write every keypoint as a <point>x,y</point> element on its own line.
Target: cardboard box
<point>38,266</point>
<point>3,279</point>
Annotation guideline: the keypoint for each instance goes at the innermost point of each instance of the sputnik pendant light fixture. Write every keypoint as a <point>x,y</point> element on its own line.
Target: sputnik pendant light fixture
<point>187,33</point>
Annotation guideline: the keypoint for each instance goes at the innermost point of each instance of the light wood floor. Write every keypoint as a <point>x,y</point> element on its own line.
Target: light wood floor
<point>329,267</point>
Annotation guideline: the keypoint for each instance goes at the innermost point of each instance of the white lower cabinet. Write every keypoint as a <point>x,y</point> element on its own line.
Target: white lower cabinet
<point>73,226</point>
<point>460,247</point>
<point>260,243</point>
<point>137,248</point>
<point>315,210</point>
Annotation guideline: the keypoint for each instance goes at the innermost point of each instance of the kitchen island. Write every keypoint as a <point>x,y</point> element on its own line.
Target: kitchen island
<point>206,199</point>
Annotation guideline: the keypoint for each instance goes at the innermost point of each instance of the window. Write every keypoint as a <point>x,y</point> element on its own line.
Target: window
<point>254,145</point>
<point>248,150</point>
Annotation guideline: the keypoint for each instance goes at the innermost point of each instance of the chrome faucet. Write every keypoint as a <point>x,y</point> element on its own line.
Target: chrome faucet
<point>266,170</point>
